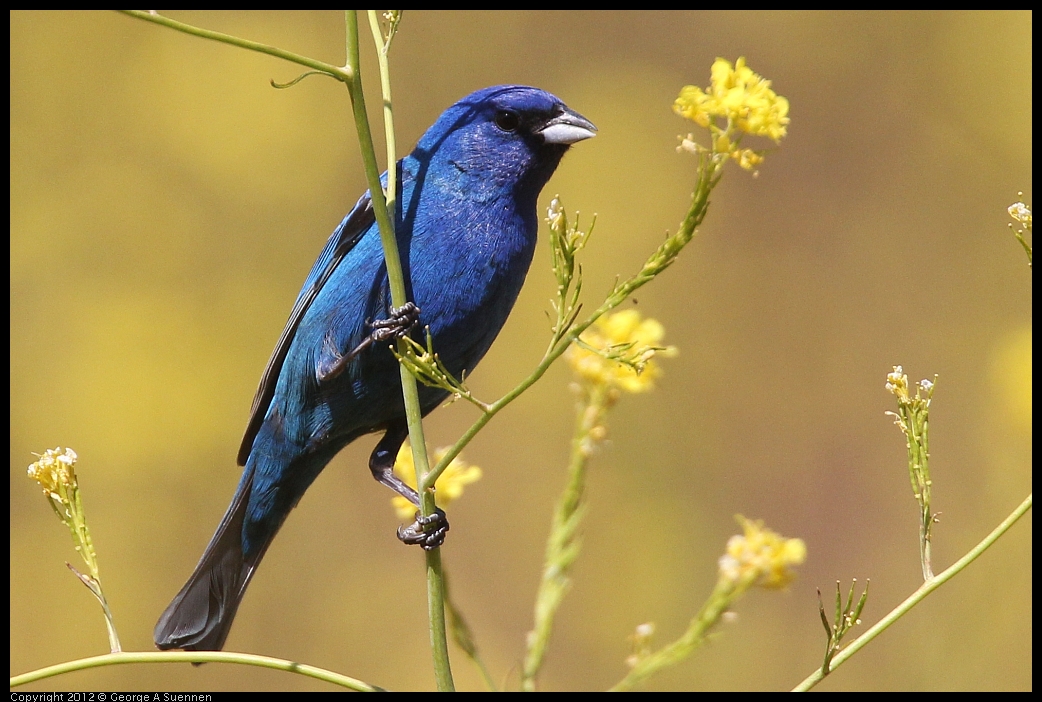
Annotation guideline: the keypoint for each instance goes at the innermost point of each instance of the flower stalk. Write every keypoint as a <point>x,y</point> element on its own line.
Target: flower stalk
<point>913,418</point>
<point>616,355</point>
<point>758,557</point>
<point>1022,214</point>
<point>55,471</point>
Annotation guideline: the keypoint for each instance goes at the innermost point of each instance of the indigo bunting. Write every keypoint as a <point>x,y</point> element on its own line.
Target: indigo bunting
<point>466,226</point>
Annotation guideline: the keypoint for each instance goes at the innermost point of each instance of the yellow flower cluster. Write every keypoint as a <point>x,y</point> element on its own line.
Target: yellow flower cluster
<point>617,351</point>
<point>737,94</point>
<point>55,473</point>
<point>745,100</point>
<point>447,488</point>
<point>760,557</point>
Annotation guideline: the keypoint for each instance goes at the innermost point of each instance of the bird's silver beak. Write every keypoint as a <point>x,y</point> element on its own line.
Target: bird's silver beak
<point>567,128</point>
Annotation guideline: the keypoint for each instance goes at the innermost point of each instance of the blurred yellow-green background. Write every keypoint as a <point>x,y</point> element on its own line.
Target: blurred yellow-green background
<point>167,203</point>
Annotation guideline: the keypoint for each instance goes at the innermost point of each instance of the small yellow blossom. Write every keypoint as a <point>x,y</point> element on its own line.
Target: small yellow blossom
<point>761,557</point>
<point>749,159</point>
<point>447,488</point>
<point>625,346</point>
<point>897,383</point>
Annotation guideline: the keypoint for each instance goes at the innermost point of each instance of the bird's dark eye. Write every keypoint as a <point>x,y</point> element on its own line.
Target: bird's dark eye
<point>507,121</point>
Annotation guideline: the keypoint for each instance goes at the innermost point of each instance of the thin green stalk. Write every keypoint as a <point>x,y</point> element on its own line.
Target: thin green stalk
<point>78,524</point>
<point>918,596</point>
<point>55,471</point>
<point>194,657</point>
<point>758,557</point>
<point>341,73</point>
<point>436,618</point>
<point>410,393</point>
<point>712,611</point>
<point>93,583</point>
<point>372,170</point>
<point>1025,244</point>
<point>563,545</point>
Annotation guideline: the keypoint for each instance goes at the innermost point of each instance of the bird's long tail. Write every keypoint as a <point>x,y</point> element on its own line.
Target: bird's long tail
<point>201,615</point>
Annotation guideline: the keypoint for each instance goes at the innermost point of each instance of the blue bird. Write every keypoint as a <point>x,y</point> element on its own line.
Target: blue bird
<point>466,229</point>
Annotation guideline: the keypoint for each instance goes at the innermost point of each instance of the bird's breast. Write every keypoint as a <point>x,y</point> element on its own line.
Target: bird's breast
<point>481,256</point>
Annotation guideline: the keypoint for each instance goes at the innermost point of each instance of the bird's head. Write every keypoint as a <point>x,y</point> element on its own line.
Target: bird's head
<point>506,136</point>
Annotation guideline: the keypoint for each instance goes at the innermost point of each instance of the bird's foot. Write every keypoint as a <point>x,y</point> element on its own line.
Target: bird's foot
<point>400,323</point>
<point>427,532</point>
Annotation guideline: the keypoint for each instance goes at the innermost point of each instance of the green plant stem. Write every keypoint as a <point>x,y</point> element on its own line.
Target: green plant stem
<point>341,73</point>
<point>916,597</point>
<point>372,170</point>
<point>1024,244</point>
<point>93,583</point>
<point>81,536</point>
<point>194,657</point>
<point>110,625</point>
<point>724,595</point>
<point>410,392</point>
<point>563,544</point>
<point>436,621</point>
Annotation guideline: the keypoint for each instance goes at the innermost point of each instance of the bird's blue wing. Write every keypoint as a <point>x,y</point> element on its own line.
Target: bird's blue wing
<point>343,239</point>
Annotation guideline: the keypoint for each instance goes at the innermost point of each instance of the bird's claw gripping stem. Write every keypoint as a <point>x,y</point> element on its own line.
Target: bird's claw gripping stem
<point>427,532</point>
<point>400,323</point>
